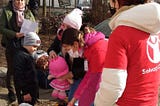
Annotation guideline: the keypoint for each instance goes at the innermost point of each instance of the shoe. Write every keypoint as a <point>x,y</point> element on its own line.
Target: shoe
<point>54,94</point>
<point>62,95</point>
<point>11,97</point>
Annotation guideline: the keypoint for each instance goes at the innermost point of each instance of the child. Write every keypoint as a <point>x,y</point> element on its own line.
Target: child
<point>41,57</point>
<point>94,52</point>
<point>57,68</point>
<point>25,80</point>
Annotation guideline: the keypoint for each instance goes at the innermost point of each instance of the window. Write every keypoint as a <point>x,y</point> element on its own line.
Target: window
<point>59,3</point>
<point>84,4</point>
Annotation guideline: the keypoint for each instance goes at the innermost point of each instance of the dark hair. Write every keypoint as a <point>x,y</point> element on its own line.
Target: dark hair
<point>70,35</point>
<point>130,2</point>
<point>82,29</point>
<point>85,25</point>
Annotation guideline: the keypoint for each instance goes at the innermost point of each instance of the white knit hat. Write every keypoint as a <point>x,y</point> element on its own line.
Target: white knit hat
<point>25,104</point>
<point>74,18</point>
<point>31,39</point>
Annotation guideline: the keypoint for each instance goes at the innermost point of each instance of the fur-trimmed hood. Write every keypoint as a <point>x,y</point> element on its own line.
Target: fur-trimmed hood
<point>147,20</point>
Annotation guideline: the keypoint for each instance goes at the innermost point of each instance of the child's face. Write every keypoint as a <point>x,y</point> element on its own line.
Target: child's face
<point>72,50</point>
<point>66,47</point>
<point>31,49</point>
<point>63,26</point>
<point>74,47</point>
<point>86,30</point>
<point>42,62</point>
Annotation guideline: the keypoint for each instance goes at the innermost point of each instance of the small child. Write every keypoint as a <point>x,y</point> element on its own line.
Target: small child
<point>57,68</point>
<point>25,80</point>
<point>42,62</point>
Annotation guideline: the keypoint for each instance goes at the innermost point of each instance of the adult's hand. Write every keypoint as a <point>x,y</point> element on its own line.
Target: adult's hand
<point>19,35</point>
<point>72,102</point>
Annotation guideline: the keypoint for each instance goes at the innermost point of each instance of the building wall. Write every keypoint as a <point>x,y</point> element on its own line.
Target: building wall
<point>3,3</point>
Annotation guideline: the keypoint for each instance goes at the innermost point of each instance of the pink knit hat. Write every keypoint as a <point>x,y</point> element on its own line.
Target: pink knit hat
<point>74,18</point>
<point>58,67</point>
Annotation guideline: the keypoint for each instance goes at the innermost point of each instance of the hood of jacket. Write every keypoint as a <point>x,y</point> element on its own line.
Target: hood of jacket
<point>93,37</point>
<point>145,17</point>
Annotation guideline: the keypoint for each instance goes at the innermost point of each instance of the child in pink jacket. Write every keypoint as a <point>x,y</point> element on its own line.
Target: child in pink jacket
<point>95,48</point>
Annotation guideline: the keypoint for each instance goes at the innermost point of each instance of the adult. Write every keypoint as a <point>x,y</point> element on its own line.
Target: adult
<point>94,45</point>
<point>11,20</point>
<point>33,5</point>
<point>131,72</point>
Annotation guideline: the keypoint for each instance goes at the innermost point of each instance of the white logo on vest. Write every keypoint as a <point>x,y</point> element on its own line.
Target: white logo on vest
<point>153,53</point>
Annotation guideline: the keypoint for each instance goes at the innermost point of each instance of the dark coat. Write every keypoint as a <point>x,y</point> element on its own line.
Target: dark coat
<point>33,4</point>
<point>56,46</point>
<point>76,66</point>
<point>25,75</point>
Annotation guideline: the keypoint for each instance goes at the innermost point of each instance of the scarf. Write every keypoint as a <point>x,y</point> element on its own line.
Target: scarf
<point>19,14</point>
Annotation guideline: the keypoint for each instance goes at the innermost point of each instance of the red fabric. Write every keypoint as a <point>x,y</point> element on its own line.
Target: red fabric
<point>95,55</point>
<point>128,49</point>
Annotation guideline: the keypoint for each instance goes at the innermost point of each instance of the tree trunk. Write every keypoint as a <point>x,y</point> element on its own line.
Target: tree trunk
<point>99,11</point>
<point>44,8</point>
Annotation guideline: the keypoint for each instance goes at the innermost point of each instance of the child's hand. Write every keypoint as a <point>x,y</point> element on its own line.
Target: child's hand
<point>71,103</point>
<point>69,75</point>
<point>52,54</point>
<point>27,97</point>
<point>50,77</point>
<point>70,81</point>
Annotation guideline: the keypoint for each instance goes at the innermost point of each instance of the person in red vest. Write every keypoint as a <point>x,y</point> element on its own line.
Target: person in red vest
<point>131,71</point>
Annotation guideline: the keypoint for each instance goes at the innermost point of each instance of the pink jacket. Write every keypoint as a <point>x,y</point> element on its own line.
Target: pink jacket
<point>94,53</point>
